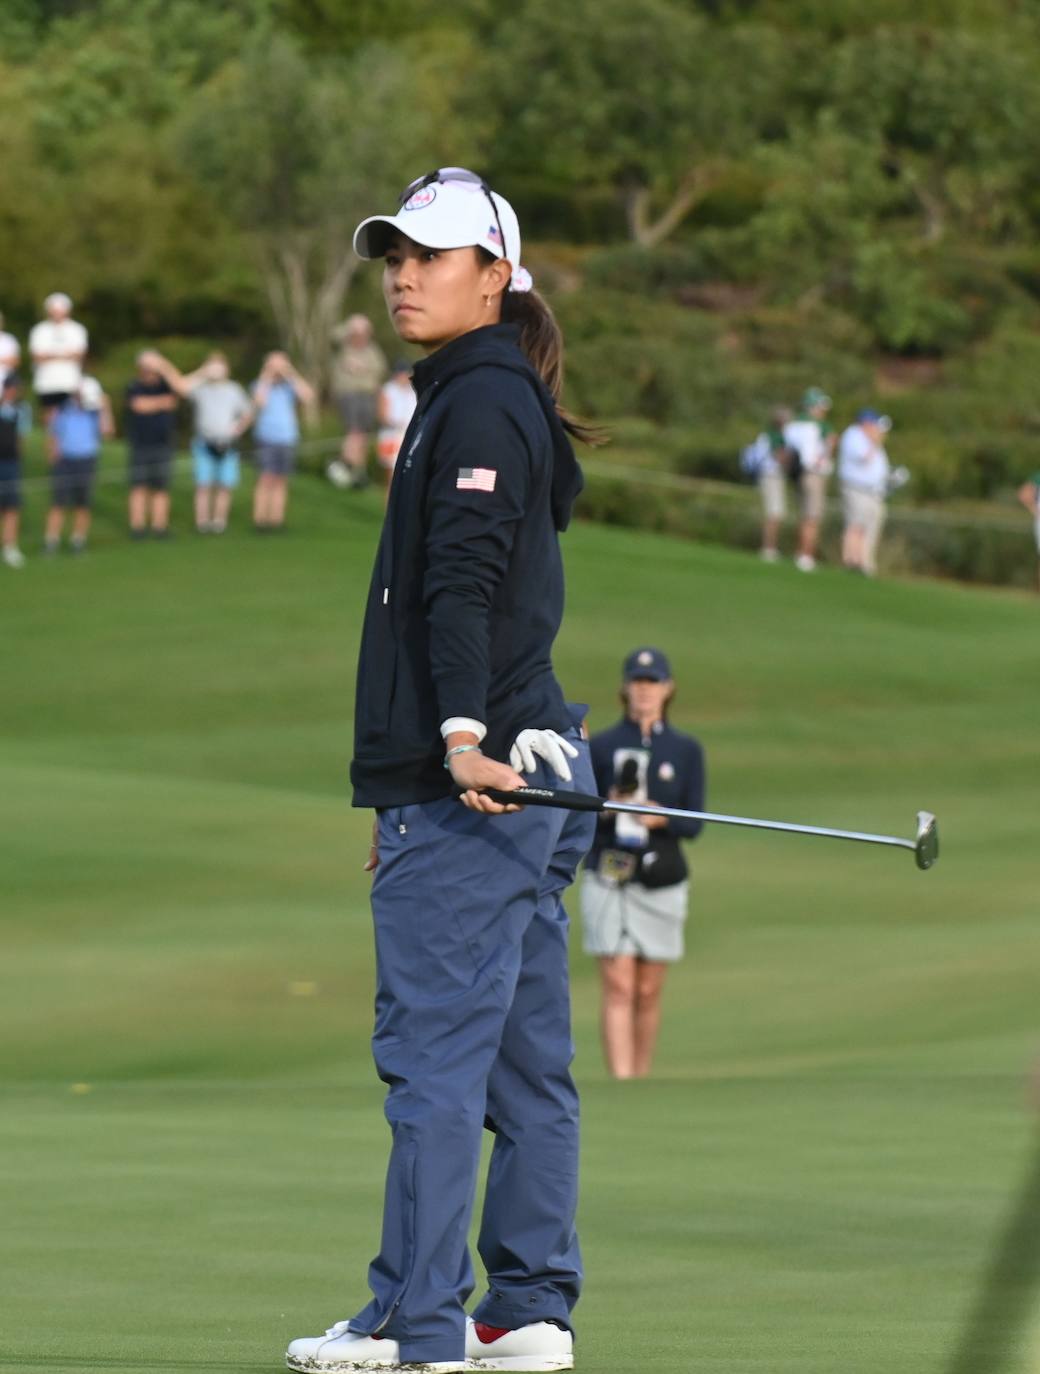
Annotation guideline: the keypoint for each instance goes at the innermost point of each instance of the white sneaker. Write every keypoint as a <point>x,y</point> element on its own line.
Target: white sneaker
<point>536,1347</point>
<point>342,1351</point>
<point>805,562</point>
<point>13,556</point>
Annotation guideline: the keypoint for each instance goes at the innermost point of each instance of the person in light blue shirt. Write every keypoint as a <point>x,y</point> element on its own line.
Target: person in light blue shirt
<point>276,394</point>
<point>76,429</point>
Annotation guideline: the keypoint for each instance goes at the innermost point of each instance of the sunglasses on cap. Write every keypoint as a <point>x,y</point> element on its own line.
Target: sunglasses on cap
<point>455,176</point>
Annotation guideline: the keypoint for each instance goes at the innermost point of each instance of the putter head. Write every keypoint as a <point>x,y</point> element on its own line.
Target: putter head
<point>926,846</point>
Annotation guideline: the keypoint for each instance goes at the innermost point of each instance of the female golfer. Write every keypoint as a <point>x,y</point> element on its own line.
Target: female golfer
<point>634,890</point>
<point>455,677</point>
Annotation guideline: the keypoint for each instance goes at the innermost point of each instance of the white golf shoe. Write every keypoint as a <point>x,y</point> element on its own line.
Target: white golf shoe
<point>342,1351</point>
<point>536,1347</point>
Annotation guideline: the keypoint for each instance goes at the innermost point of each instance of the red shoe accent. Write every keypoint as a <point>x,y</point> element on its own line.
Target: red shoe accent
<point>486,1334</point>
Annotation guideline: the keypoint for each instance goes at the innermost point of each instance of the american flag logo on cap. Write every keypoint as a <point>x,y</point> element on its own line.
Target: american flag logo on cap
<point>423,197</point>
<point>493,234</point>
<point>476,479</point>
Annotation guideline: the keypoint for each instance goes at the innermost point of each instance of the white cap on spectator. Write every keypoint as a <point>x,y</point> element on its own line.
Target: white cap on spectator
<point>59,299</point>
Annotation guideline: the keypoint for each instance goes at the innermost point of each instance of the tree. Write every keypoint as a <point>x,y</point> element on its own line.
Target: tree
<point>957,114</point>
<point>297,149</point>
<point>646,96</point>
<point>91,198</point>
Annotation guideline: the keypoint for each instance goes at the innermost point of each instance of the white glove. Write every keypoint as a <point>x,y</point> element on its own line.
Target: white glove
<point>546,744</point>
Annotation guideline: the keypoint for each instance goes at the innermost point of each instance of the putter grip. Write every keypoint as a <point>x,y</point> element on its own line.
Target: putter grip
<point>541,796</point>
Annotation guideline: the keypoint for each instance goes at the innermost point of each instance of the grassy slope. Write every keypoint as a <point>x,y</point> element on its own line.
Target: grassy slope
<point>813,1178</point>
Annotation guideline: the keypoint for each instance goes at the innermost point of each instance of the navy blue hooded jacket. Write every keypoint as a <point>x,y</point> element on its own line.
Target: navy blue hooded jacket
<point>467,591</point>
<point>671,769</point>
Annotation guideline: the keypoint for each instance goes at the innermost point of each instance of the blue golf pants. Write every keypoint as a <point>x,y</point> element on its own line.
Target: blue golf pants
<point>473,1030</point>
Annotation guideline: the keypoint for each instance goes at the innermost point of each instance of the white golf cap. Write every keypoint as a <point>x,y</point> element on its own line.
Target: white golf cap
<point>446,214</point>
<point>59,299</point>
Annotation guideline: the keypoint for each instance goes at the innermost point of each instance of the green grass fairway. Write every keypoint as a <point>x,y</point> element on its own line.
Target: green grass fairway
<point>191,1139</point>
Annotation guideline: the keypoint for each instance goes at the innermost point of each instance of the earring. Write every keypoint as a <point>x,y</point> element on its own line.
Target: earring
<point>487,301</point>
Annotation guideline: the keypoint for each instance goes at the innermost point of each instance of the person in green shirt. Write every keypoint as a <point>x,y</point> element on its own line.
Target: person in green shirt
<point>812,437</point>
<point>1029,495</point>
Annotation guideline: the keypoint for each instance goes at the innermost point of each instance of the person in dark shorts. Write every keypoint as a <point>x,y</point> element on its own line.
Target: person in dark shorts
<point>358,370</point>
<point>276,393</point>
<point>76,430</point>
<point>150,419</point>
<point>14,420</point>
<point>58,347</point>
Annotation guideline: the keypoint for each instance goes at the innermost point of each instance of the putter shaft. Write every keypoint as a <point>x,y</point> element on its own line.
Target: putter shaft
<point>925,847</point>
<point>863,836</point>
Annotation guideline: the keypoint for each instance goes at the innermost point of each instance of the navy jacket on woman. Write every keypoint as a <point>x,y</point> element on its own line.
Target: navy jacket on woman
<point>670,768</point>
<point>467,592</point>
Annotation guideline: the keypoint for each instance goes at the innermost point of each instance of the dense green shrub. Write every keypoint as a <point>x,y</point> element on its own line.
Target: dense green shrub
<point>969,548</point>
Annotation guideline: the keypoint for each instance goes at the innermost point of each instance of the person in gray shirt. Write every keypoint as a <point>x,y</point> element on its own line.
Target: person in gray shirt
<point>223,413</point>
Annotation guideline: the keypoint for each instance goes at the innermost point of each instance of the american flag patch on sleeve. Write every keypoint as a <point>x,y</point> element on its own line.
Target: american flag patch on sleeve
<point>476,479</point>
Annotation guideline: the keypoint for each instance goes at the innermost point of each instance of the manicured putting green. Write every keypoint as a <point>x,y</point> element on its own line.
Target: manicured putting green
<point>191,1146</point>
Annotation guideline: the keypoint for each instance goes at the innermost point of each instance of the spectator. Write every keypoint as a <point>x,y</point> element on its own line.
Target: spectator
<point>223,413</point>
<point>58,346</point>
<point>396,407</point>
<point>811,439</point>
<point>634,889</point>
<point>10,352</point>
<point>772,460</point>
<point>863,470</point>
<point>1029,495</point>
<point>276,393</point>
<point>14,421</point>
<point>77,427</point>
<point>357,371</point>
<point>151,406</point>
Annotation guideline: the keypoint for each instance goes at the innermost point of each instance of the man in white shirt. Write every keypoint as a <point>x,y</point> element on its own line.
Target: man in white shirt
<point>10,353</point>
<point>863,471</point>
<point>811,437</point>
<point>58,346</point>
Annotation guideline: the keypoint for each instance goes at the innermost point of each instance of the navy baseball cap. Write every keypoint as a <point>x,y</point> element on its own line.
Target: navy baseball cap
<point>871,416</point>
<point>647,663</point>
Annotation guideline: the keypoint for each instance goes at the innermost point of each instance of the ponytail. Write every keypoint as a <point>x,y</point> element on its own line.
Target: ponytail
<point>541,342</point>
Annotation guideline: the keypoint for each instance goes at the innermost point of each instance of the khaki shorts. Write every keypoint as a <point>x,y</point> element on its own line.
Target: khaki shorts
<point>813,487</point>
<point>862,508</point>
<point>774,497</point>
<point>632,919</point>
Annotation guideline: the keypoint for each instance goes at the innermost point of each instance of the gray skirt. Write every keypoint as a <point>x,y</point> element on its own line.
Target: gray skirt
<point>632,919</point>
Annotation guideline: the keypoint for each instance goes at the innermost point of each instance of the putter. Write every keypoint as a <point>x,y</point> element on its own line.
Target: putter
<point>924,846</point>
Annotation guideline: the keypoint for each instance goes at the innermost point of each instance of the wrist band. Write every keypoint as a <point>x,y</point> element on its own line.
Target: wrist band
<point>459,749</point>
